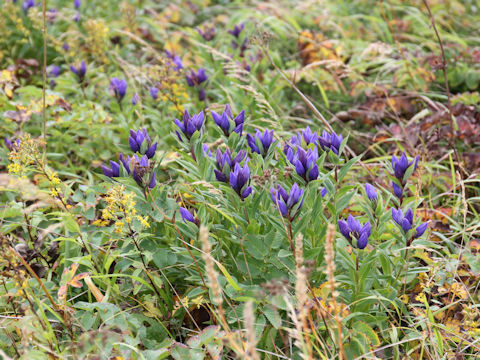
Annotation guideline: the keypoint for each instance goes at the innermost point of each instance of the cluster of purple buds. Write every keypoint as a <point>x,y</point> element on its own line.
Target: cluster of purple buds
<point>290,203</point>
<point>153,92</point>
<point>371,192</point>
<point>208,33</point>
<point>189,125</point>
<point>52,72</point>
<point>139,168</point>
<point>176,61</point>
<point>304,162</point>
<point>77,4</point>
<point>27,4</point>
<point>306,138</point>
<point>400,167</point>
<point>239,178</point>
<point>260,143</point>
<point>188,216</point>
<point>228,123</point>
<point>353,229</point>
<point>225,162</point>
<point>119,88</point>
<point>406,222</point>
<point>237,43</point>
<point>330,141</point>
<point>80,71</point>
<point>11,145</point>
<point>140,142</point>
<point>195,79</point>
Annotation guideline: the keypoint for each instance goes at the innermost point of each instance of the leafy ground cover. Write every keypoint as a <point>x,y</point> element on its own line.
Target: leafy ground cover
<point>240,180</point>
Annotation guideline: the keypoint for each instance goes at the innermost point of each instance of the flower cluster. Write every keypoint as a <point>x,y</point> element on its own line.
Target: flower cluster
<point>189,125</point>
<point>208,32</point>
<point>195,79</point>
<point>228,123</point>
<point>230,170</point>
<point>119,88</point>
<point>401,172</point>
<point>406,222</point>
<point>260,143</point>
<point>121,210</point>
<point>23,153</point>
<point>289,203</point>
<point>353,229</point>
<point>80,71</point>
<point>139,167</point>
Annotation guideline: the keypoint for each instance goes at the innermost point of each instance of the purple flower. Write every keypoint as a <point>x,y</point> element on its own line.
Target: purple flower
<point>65,46</point>
<point>125,162</point>
<point>175,60</point>
<point>186,215</point>
<point>330,141</point>
<point>401,165</point>
<point>77,3</point>
<point>225,162</point>
<point>371,192</point>
<point>206,150</point>
<point>194,79</point>
<point>227,122</point>
<point>288,203</point>
<point>80,71</point>
<point>304,162</point>
<point>135,99</point>
<point>53,71</point>
<point>139,141</point>
<point>119,87</point>
<point>353,229</point>
<point>153,92</point>
<point>27,4</point>
<point>190,124</point>
<point>113,171</point>
<point>52,14</point>
<point>11,145</point>
<point>208,33</point>
<point>239,179</point>
<point>76,18</point>
<point>406,222</point>
<point>323,192</point>
<point>397,190</point>
<point>260,143</point>
<point>237,29</point>
<point>141,171</point>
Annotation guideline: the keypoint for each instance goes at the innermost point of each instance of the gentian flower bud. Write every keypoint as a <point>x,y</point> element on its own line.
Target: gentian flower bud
<point>77,3</point>
<point>227,123</point>
<point>353,229</point>
<point>53,71</point>
<point>239,179</point>
<point>119,87</point>
<point>208,33</point>
<point>186,215</point>
<point>65,46</point>
<point>400,166</point>
<point>113,171</point>
<point>237,29</point>
<point>206,150</point>
<point>397,190</point>
<point>140,142</point>
<point>27,4</point>
<point>288,203</point>
<point>153,92</point>
<point>76,18</point>
<point>330,141</point>
<point>125,162</point>
<point>371,192</point>
<point>135,99</point>
<point>79,71</point>
<point>420,230</point>
<point>323,192</point>
<point>190,124</point>
<point>261,142</point>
